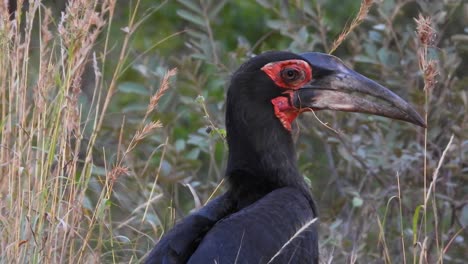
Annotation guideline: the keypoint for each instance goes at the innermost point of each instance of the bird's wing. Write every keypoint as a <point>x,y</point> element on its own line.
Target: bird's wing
<point>180,242</point>
<point>279,228</point>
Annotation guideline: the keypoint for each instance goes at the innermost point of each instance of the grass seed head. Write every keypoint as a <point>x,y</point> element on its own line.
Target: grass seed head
<point>426,32</point>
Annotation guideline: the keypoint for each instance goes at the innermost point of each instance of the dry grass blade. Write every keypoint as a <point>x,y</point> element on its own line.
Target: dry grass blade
<point>116,172</point>
<point>297,234</point>
<point>435,176</point>
<point>146,130</point>
<point>362,14</point>
<point>162,89</point>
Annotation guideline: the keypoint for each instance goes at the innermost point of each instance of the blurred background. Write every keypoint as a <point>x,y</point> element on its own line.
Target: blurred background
<point>369,179</point>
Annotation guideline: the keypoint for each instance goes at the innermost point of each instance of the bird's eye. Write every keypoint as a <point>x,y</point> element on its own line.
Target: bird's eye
<point>291,75</point>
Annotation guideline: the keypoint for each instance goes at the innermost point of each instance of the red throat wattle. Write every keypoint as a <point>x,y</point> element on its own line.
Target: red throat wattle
<point>284,111</point>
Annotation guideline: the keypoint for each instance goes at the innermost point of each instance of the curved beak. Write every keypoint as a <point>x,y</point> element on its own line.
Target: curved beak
<point>336,87</point>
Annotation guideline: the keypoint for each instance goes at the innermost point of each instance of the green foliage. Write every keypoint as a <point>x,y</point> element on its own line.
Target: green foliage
<point>358,166</point>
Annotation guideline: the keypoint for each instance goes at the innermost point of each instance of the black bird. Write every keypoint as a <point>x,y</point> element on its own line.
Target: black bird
<point>267,214</point>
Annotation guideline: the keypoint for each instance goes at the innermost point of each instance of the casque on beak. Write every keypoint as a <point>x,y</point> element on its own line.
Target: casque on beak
<point>336,87</point>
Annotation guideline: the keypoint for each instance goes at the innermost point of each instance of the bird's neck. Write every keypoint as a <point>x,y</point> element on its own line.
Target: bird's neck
<point>262,156</point>
<point>265,155</point>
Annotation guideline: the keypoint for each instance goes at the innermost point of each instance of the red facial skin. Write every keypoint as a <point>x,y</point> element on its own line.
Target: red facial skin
<point>278,72</point>
<point>284,111</point>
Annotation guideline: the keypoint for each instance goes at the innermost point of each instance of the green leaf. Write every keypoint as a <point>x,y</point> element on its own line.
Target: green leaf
<point>180,145</point>
<point>214,12</point>
<point>303,34</point>
<point>190,5</point>
<point>464,216</point>
<point>357,201</point>
<point>222,132</point>
<point>100,211</point>
<point>375,36</point>
<point>264,3</point>
<point>137,107</point>
<point>275,24</point>
<point>415,223</point>
<point>131,87</point>
<point>191,18</point>
<point>195,34</point>
<point>197,140</point>
<point>193,154</point>
<point>383,55</point>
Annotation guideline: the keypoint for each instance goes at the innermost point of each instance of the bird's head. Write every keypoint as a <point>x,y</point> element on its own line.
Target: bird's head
<point>270,90</point>
<point>287,84</point>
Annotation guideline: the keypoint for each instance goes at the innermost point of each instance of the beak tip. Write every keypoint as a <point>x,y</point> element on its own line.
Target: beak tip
<point>422,124</point>
<point>416,119</point>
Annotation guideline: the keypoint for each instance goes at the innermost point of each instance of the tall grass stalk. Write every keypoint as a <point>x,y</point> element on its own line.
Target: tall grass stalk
<point>47,139</point>
<point>422,236</point>
<point>361,15</point>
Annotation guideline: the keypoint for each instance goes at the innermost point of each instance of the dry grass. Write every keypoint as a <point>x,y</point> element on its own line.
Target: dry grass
<point>361,15</point>
<point>48,140</point>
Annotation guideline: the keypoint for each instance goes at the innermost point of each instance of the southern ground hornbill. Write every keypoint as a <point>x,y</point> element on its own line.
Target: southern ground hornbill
<point>267,214</point>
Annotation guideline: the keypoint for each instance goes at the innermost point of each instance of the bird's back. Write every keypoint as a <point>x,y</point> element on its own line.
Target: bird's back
<point>181,241</point>
<point>279,228</point>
